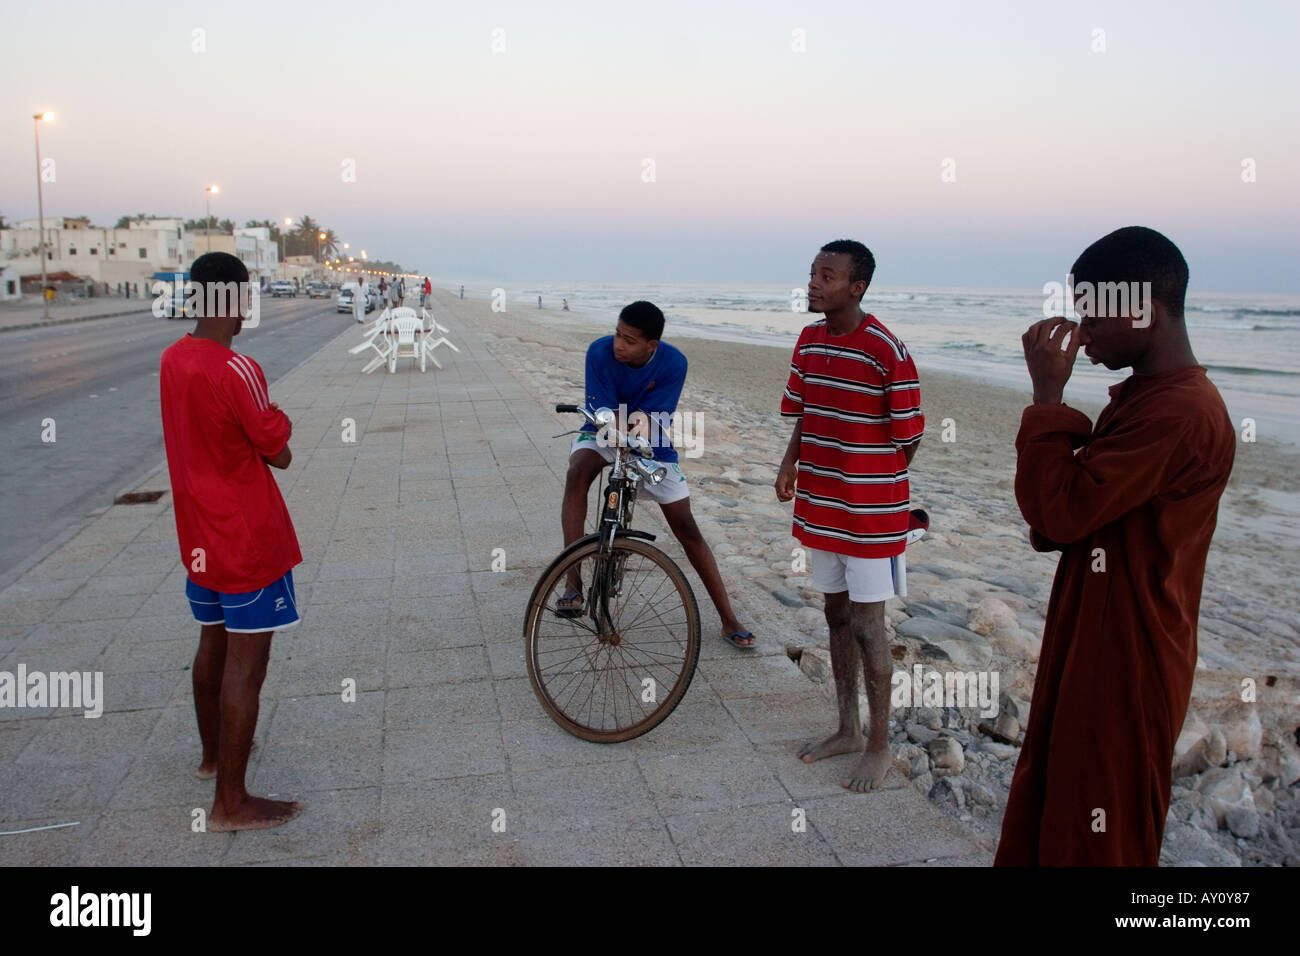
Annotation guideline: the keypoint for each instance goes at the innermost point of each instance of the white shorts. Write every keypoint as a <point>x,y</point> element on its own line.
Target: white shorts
<point>672,488</point>
<point>866,579</point>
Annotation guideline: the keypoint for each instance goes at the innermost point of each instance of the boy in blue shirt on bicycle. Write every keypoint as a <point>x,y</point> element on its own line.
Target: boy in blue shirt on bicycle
<point>639,376</point>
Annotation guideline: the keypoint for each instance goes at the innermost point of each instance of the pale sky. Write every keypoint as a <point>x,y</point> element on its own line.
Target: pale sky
<point>527,163</point>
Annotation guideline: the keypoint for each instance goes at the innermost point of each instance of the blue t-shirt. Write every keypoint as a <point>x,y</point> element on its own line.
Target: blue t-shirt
<point>654,388</point>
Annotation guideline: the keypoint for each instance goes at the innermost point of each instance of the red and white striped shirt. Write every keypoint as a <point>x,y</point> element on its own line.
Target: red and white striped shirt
<point>860,401</point>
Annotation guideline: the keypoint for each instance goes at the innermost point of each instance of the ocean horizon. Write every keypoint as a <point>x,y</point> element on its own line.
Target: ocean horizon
<point>1249,342</point>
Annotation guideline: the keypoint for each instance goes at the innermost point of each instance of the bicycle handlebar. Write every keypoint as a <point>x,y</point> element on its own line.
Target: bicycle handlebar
<point>634,442</point>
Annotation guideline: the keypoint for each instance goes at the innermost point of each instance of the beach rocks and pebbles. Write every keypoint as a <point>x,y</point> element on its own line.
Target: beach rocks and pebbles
<point>978,598</point>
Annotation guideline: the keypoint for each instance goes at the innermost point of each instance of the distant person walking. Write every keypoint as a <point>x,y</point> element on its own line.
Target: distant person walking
<point>394,295</point>
<point>462,292</point>
<point>359,296</point>
<point>223,434</point>
<point>425,291</point>
<point>565,305</point>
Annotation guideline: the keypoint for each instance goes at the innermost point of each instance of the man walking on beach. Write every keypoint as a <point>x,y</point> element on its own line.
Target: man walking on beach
<point>856,400</point>
<point>634,369</point>
<point>1132,513</point>
<point>223,434</point>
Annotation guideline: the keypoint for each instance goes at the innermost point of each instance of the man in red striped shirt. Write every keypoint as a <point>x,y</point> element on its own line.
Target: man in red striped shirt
<point>856,400</point>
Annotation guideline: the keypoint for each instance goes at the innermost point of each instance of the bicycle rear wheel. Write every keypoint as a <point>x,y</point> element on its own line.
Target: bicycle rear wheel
<point>622,664</point>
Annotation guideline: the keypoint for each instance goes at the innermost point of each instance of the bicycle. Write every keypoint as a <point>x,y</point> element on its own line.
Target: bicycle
<point>615,665</point>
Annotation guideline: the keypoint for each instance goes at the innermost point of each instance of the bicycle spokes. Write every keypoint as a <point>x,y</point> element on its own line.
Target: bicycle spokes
<point>611,669</point>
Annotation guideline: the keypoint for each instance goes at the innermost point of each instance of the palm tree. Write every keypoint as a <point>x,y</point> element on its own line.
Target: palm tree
<point>125,221</point>
<point>330,245</point>
<point>305,237</point>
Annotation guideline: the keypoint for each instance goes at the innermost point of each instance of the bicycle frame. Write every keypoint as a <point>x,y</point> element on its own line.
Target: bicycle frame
<point>617,503</point>
<point>569,663</point>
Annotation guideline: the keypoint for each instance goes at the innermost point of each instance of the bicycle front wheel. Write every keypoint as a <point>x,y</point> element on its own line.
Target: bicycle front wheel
<point>616,667</point>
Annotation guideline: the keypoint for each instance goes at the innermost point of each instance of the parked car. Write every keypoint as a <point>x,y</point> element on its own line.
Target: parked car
<point>283,287</point>
<point>173,304</point>
<point>317,290</point>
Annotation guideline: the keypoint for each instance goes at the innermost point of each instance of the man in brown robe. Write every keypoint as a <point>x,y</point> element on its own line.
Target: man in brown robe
<point>1132,512</point>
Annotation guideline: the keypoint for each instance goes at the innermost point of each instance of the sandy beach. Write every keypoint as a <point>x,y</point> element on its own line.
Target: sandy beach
<point>977,591</point>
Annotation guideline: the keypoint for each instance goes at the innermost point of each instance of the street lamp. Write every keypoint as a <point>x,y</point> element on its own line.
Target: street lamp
<point>283,269</point>
<point>208,193</point>
<point>40,200</point>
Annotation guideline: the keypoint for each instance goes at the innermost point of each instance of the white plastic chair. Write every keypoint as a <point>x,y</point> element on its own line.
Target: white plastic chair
<point>432,339</point>
<point>376,338</point>
<point>403,330</point>
<point>382,350</point>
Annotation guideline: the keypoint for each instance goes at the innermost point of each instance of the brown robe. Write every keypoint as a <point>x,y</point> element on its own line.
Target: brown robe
<point>1119,649</point>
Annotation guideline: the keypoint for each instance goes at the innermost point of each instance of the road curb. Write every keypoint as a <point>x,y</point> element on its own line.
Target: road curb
<point>44,323</point>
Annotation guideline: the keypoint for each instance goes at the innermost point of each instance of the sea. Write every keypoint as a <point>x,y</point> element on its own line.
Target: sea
<point>1248,342</point>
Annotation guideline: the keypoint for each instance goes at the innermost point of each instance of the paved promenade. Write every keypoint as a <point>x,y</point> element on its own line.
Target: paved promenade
<point>445,736</point>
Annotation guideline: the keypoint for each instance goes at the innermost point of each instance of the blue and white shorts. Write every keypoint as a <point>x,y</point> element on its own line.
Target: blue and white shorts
<point>272,608</point>
<point>866,579</point>
<point>672,488</point>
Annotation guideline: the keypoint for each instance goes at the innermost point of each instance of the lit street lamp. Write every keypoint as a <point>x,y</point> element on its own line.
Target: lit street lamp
<point>208,193</point>
<point>40,200</point>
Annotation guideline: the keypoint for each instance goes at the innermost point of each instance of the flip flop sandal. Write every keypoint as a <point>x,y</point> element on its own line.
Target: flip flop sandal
<point>565,608</point>
<point>733,640</point>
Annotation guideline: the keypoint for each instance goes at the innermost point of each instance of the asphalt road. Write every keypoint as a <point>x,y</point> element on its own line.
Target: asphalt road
<point>98,380</point>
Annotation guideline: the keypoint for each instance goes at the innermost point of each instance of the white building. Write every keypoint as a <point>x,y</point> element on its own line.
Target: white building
<point>133,254</point>
<point>100,255</point>
<point>252,245</point>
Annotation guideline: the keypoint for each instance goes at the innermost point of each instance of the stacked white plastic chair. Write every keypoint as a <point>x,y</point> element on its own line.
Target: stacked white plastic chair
<point>432,338</point>
<point>376,339</point>
<point>404,331</point>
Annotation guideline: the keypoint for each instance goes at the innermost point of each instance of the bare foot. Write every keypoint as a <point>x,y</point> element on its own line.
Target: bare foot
<point>255,813</point>
<point>208,768</point>
<point>870,771</point>
<point>835,744</point>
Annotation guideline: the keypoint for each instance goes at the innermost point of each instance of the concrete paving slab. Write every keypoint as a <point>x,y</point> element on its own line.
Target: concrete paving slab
<point>761,835</point>
<point>887,827</point>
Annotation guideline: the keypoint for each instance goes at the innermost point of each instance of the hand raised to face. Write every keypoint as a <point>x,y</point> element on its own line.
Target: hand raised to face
<point>1050,356</point>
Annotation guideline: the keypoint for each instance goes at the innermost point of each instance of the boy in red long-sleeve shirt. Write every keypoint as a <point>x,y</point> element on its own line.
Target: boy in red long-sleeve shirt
<point>237,542</point>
